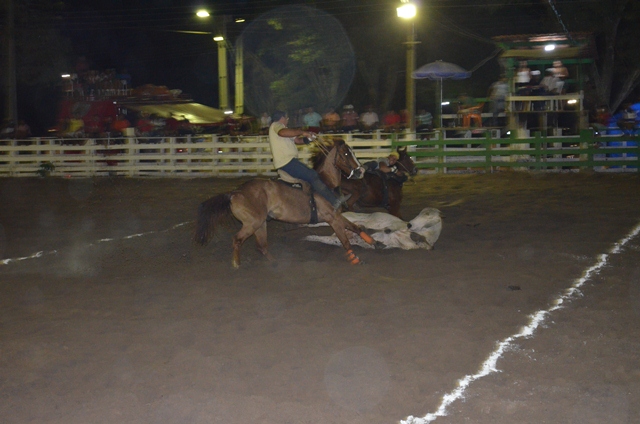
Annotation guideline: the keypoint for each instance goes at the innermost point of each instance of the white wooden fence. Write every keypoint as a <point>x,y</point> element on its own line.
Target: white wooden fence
<point>191,156</point>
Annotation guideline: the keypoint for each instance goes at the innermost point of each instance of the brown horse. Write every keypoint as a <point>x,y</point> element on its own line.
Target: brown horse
<point>258,200</point>
<point>377,189</point>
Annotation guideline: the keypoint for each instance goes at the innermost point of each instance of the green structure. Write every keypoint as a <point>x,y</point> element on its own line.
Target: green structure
<point>562,113</point>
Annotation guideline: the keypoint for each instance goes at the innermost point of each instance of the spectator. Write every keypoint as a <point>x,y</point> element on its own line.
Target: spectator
<point>549,83</point>
<point>424,121</point>
<point>119,126</point>
<point>171,125</point>
<point>23,130</point>
<point>185,127</point>
<point>369,120</point>
<point>561,72</point>
<point>330,120</point>
<point>265,121</point>
<point>523,78</point>
<point>312,120</point>
<point>349,119</point>
<point>75,127</point>
<point>391,121</point>
<point>8,130</point>
<point>144,126</point>
<point>498,94</point>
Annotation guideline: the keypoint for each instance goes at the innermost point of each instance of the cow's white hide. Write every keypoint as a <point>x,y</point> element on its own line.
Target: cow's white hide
<point>420,233</point>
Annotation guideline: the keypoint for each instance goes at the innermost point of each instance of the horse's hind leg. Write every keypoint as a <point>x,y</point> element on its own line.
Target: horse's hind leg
<point>261,240</point>
<point>245,232</point>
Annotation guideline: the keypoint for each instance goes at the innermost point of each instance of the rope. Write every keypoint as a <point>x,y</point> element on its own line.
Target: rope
<point>566,31</point>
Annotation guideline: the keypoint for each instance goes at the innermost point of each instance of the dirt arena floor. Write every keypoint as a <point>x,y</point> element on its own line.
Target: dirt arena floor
<point>123,319</point>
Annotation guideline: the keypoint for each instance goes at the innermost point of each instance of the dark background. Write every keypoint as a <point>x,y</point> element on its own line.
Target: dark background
<point>140,36</point>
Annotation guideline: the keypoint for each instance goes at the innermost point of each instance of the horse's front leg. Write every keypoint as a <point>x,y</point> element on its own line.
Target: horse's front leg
<point>348,225</point>
<point>340,231</point>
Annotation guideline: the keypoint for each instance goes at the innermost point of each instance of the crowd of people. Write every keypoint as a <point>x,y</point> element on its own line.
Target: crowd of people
<point>349,120</point>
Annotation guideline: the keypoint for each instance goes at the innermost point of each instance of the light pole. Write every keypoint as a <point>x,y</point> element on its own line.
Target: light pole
<point>223,79</point>
<point>407,10</point>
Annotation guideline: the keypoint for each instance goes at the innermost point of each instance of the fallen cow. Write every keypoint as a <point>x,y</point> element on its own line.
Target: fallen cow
<point>421,232</point>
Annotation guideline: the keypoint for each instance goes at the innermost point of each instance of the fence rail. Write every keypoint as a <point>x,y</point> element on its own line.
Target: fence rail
<point>211,155</point>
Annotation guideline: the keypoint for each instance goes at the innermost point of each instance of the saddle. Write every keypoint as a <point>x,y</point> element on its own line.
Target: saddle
<point>289,181</point>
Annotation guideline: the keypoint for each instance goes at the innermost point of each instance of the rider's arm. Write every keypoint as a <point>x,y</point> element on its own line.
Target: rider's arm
<point>297,134</point>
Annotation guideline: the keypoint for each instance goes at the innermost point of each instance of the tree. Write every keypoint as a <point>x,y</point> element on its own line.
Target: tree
<point>614,25</point>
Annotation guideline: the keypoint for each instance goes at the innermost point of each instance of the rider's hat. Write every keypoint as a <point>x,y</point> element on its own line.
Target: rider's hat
<point>395,155</point>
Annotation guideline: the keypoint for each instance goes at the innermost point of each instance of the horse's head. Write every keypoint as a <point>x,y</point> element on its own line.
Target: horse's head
<point>405,163</point>
<point>347,162</point>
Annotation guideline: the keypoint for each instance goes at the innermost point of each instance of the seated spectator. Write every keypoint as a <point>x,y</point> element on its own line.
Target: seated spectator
<point>349,119</point>
<point>265,122</point>
<point>95,127</point>
<point>391,121</point>
<point>629,117</point>
<point>369,120</point>
<point>330,120</point>
<point>23,131</point>
<point>424,121</point>
<point>75,128</point>
<point>171,125</point>
<point>119,126</point>
<point>144,126</point>
<point>184,126</point>
<point>8,130</point>
<point>312,120</point>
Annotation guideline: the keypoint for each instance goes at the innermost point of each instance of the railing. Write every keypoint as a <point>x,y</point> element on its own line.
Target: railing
<point>211,155</point>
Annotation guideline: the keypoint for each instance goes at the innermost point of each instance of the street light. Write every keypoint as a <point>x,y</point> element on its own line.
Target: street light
<point>223,84</point>
<point>407,10</point>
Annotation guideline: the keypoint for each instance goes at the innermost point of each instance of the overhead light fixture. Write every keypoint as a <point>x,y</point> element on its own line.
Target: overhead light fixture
<point>572,102</point>
<point>407,10</point>
<point>239,20</point>
<point>549,47</point>
<point>218,38</point>
<point>445,103</point>
<point>66,75</point>
<point>202,13</point>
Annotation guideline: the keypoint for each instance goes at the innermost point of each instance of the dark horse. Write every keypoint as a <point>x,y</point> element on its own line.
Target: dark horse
<point>377,189</point>
<point>259,200</point>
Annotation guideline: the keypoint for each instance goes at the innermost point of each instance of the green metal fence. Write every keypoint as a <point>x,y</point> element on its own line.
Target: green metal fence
<point>484,154</point>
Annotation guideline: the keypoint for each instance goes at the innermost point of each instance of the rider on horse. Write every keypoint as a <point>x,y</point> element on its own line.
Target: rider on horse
<point>387,166</point>
<point>283,142</point>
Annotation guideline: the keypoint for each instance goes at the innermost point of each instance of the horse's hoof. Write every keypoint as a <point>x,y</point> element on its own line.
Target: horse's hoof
<point>352,258</point>
<point>236,265</point>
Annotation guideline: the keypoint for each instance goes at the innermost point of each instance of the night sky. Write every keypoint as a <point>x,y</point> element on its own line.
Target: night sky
<point>136,35</point>
<point>141,36</point>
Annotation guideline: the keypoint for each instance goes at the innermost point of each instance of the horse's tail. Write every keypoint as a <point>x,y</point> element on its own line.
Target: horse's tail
<point>209,212</point>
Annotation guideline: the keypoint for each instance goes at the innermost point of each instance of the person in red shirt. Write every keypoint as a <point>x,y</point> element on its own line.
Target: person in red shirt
<point>119,125</point>
<point>391,121</point>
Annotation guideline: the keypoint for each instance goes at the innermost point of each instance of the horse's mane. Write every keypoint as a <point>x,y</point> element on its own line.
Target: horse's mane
<point>318,156</point>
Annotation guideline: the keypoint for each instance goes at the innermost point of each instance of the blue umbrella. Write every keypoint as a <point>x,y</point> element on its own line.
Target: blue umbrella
<point>438,71</point>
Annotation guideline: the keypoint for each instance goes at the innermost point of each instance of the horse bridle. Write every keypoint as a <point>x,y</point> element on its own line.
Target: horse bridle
<point>325,151</point>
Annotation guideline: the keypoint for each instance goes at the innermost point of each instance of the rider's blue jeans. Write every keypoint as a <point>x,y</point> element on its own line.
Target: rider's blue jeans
<point>298,170</point>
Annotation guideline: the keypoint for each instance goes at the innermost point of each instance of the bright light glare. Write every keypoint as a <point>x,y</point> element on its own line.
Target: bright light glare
<point>66,75</point>
<point>549,47</point>
<point>445,103</point>
<point>239,20</point>
<point>572,102</point>
<point>406,11</point>
<point>218,38</point>
<point>202,13</point>
<point>228,112</point>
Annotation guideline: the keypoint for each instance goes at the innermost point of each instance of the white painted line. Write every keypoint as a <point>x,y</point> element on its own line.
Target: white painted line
<point>489,365</point>
<point>42,253</point>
